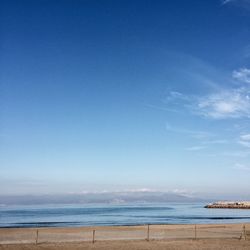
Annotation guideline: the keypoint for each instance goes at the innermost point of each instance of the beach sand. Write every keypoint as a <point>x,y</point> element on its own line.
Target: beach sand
<point>213,236</point>
<point>203,244</point>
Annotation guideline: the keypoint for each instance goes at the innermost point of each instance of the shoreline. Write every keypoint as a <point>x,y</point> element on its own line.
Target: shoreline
<point>126,225</point>
<point>90,227</point>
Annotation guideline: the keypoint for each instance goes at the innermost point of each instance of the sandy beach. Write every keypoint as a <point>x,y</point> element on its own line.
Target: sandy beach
<point>212,236</point>
<point>226,244</point>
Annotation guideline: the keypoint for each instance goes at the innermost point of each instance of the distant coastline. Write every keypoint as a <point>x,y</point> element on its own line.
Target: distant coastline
<point>230,204</point>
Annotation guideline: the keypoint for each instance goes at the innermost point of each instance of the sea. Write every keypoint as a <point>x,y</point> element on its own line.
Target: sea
<point>117,214</point>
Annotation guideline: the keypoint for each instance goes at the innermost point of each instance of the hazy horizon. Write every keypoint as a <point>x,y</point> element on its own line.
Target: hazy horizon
<point>117,197</point>
<point>122,96</point>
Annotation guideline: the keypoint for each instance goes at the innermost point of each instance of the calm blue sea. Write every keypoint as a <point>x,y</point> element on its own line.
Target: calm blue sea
<point>89,215</point>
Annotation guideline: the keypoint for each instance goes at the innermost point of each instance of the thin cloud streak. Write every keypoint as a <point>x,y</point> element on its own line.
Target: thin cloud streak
<point>245,140</point>
<point>245,143</point>
<point>227,1</point>
<point>245,137</point>
<point>195,148</point>
<point>215,142</point>
<point>242,75</point>
<point>240,3</point>
<point>193,133</point>
<point>242,167</point>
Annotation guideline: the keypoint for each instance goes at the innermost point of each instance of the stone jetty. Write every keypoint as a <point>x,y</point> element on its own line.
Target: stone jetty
<point>230,204</point>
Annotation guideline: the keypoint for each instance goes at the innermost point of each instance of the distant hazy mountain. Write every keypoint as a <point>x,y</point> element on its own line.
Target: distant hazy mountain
<point>102,197</point>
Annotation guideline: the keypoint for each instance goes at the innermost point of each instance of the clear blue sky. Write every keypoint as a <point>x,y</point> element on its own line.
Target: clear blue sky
<point>125,95</point>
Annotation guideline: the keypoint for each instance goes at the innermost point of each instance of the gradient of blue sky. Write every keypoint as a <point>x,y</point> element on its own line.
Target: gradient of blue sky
<point>119,95</point>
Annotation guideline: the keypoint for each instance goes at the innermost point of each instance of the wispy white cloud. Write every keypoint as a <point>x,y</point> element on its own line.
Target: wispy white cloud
<point>215,142</point>
<point>184,192</point>
<point>242,75</point>
<point>245,143</point>
<point>228,103</point>
<point>176,96</point>
<point>221,103</point>
<point>233,103</point>
<point>245,137</point>
<point>245,140</point>
<point>195,148</point>
<point>239,166</point>
<point>135,191</point>
<point>226,1</point>
<point>240,3</point>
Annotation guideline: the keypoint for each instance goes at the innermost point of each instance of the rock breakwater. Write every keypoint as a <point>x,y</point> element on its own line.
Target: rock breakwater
<point>230,204</point>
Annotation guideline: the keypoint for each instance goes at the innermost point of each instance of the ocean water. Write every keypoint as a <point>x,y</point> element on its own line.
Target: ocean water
<point>125,214</point>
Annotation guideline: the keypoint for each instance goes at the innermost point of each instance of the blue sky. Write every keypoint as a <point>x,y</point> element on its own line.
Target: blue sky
<point>125,95</point>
